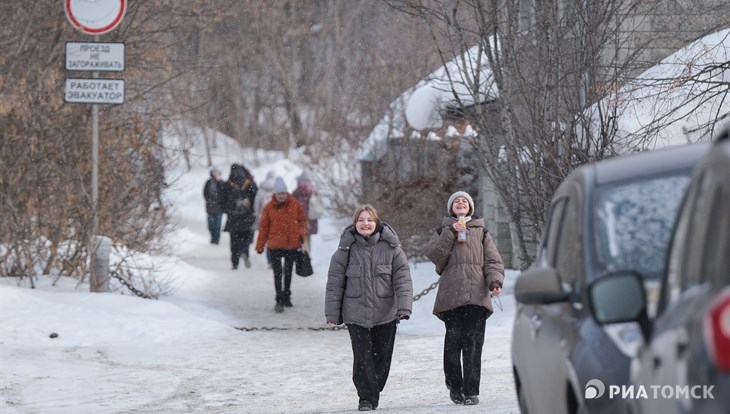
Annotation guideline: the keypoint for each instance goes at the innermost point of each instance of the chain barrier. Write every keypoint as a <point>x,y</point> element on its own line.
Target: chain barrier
<point>423,293</point>
<point>129,285</point>
<point>323,328</point>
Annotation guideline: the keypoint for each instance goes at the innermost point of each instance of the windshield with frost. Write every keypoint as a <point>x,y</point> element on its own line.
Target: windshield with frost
<point>633,223</point>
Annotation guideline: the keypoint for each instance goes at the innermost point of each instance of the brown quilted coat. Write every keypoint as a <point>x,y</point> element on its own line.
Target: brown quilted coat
<point>468,270</point>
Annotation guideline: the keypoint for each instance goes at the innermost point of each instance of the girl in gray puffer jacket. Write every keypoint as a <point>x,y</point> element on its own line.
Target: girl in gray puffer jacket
<point>369,288</point>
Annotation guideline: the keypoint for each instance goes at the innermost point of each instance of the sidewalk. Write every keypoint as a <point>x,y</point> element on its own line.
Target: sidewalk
<point>297,370</point>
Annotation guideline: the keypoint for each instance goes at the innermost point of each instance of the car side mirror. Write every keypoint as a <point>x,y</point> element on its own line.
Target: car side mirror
<point>619,297</point>
<point>539,286</point>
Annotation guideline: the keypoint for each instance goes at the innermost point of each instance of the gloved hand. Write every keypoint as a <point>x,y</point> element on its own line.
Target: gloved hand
<point>259,251</point>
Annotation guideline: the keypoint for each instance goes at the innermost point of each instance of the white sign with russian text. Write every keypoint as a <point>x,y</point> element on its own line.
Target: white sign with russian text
<point>107,57</point>
<point>95,91</point>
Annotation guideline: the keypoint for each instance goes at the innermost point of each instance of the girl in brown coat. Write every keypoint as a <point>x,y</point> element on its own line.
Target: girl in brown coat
<point>282,229</point>
<point>470,269</point>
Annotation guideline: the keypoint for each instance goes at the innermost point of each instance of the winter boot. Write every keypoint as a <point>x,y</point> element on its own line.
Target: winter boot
<point>471,400</point>
<point>456,396</point>
<point>246,260</point>
<point>286,299</point>
<point>279,307</point>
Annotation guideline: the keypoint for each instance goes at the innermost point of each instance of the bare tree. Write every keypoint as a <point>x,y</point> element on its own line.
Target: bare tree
<point>548,61</point>
<point>45,159</point>
<point>316,75</point>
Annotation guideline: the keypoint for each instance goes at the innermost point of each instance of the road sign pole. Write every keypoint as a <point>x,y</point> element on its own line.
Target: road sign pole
<point>95,18</point>
<point>94,227</point>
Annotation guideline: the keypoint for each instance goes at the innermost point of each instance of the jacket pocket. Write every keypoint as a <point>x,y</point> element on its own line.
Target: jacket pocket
<point>384,281</point>
<point>354,281</point>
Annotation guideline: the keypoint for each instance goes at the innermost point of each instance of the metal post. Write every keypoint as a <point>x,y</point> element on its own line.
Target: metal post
<point>94,284</point>
<point>100,265</point>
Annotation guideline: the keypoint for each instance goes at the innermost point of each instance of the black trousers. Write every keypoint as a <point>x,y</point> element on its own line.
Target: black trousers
<point>463,347</point>
<point>372,351</point>
<point>282,274</point>
<point>214,226</point>
<point>240,241</point>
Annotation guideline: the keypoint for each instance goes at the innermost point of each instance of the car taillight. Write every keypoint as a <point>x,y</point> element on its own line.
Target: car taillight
<point>717,330</point>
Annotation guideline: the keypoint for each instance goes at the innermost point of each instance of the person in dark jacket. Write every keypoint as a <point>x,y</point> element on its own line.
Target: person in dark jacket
<point>282,228</point>
<point>470,268</point>
<point>369,288</point>
<point>213,195</point>
<point>240,195</point>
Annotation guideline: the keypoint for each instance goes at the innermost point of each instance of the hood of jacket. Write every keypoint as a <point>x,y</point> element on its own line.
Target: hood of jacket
<point>387,234</point>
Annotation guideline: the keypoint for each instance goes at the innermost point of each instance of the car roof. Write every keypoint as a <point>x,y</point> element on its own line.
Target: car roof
<point>643,164</point>
<point>649,162</point>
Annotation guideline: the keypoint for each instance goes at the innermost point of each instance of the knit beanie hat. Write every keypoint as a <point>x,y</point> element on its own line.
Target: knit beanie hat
<point>454,197</point>
<point>303,177</point>
<point>279,186</point>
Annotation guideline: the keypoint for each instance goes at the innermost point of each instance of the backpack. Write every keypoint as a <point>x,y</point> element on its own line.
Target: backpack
<point>316,207</point>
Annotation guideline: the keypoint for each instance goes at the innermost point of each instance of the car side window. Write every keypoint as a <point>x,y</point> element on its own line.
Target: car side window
<point>547,250</point>
<point>694,252</point>
<point>680,272</point>
<point>721,276</point>
<point>568,255</point>
<point>714,253</point>
<point>675,262</point>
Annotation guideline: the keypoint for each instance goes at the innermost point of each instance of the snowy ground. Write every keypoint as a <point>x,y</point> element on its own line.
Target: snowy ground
<point>181,354</point>
<point>120,354</point>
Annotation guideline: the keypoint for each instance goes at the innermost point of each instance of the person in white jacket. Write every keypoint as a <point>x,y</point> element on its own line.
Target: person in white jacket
<point>263,197</point>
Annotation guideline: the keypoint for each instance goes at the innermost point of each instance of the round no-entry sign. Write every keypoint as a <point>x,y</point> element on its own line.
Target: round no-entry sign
<point>95,17</point>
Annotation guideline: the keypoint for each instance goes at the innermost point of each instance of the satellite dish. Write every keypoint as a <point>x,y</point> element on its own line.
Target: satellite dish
<point>422,108</point>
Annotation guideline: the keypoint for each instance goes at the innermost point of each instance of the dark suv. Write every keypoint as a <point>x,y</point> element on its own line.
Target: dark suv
<point>686,358</point>
<point>615,215</point>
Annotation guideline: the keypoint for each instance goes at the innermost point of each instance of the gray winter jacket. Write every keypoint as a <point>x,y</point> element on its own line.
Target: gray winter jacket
<point>469,271</point>
<point>369,280</point>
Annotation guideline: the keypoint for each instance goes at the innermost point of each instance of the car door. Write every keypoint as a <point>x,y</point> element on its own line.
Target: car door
<point>528,326</point>
<point>677,327</point>
<point>563,319</point>
<point>704,279</point>
<point>556,323</point>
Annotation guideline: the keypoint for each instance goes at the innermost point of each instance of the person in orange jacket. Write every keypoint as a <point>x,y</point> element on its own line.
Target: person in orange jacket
<point>282,229</point>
